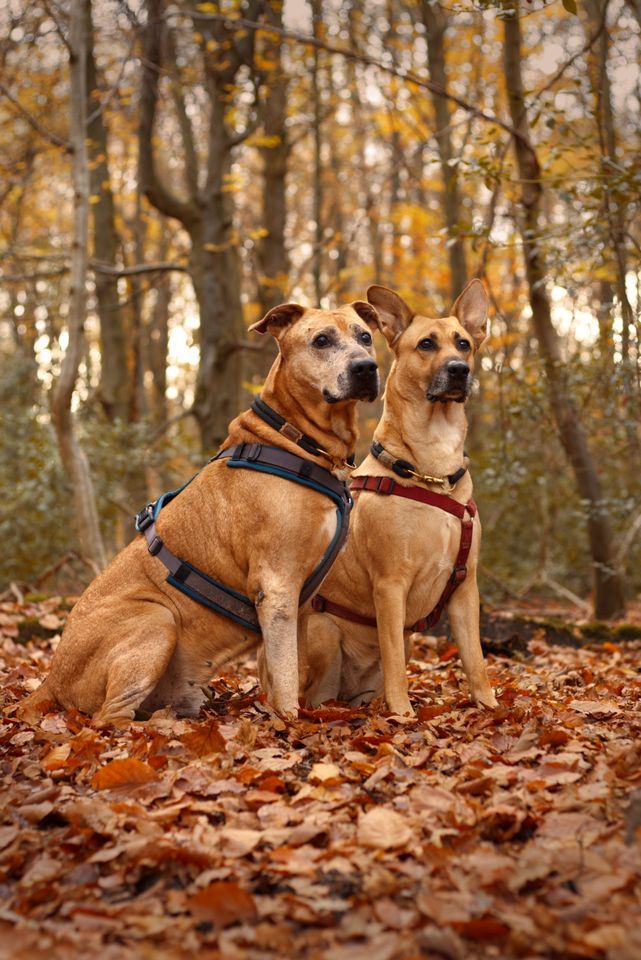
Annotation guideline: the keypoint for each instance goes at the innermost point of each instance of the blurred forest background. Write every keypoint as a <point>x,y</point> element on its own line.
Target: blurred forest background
<point>170,170</point>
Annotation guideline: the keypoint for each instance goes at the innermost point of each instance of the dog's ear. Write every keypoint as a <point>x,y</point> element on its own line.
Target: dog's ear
<point>393,312</point>
<point>278,319</point>
<point>471,309</point>
<point>367,313</point>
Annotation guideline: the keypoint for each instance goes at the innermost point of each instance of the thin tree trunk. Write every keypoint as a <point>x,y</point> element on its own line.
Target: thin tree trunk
<point>615,219</point>
<point>317,20</point>
<point>608,586</point>
<point>72,455</point>
<point>435,22</point>
<point>273,259</point>
<point>115,380</point>
<point>206,214</point>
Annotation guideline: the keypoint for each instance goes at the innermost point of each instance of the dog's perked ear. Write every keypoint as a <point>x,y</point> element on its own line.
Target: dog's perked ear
<point>278,319</point>
<point>367,313</point>
<point>394,313</point>
<point>471,309</point>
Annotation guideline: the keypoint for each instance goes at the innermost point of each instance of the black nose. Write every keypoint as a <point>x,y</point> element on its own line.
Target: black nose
<point>363,369</point>
<point>457,370</point>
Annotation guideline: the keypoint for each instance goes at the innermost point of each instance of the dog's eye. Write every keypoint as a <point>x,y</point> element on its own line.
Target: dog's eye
<point>426,344</point>
<point>365,337</point>
<point>464,345</point>
<point>322,340</point>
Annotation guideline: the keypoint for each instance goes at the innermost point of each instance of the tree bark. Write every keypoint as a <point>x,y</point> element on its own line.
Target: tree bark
<point>272,255</point>
<point>435,22</point>
<point>72,455</point>
<point>115,381</point>
<point>206,214</point>
<point>614,209</point>
<point>608,586</point>
<point>317,267</point>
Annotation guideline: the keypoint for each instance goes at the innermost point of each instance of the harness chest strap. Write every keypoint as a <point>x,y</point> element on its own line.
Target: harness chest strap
<point>389,487</point>
<point>218,596</point>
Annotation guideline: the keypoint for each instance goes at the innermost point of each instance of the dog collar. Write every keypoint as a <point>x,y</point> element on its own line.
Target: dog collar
<point>288,430</point>
<point>403,468</point>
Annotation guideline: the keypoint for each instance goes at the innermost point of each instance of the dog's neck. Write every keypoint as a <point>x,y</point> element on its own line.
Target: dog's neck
<point>332,426</point>
<point>430,435</point>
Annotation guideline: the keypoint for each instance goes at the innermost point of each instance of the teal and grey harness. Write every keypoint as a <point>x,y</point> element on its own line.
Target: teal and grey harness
<point>265,459</point>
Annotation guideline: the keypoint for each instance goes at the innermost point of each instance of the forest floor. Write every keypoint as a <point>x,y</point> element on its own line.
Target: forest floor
<point>348,835</point>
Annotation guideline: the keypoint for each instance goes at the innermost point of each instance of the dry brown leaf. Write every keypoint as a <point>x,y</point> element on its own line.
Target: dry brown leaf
<point>383,829</point>
<point>222,903</point>
<point>204,740</point>
<point>325,773</point>
<point>123,773</point>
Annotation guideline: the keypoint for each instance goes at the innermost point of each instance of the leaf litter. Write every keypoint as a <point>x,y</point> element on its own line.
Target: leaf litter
<point>348,834</point>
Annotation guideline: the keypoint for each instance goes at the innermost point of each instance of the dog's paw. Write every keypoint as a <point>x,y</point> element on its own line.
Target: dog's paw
<point>402,708</point>
<point>486,699</point>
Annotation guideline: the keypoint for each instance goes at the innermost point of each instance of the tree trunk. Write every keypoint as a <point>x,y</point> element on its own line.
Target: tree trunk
<point>272,256</point>
<point>613,204</point>
<point>115,380</point>
<point>72,455</point>
<point>435,22</point>
<point>317,21</point>
<point>608,586</point>
<point>206,214</point>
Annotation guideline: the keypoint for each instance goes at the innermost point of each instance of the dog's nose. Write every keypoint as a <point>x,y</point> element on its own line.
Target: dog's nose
<point>457,369</point>
<point>363,369</point>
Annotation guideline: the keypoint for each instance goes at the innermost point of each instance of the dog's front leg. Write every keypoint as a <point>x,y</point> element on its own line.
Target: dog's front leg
<point>277,608</point>
<point>463,611</point>
<point>389,600</point>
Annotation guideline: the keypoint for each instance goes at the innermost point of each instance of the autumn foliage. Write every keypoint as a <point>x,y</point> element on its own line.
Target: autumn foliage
<point>348,835</point>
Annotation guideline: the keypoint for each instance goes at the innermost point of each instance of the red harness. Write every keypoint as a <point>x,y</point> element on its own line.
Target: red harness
<point>387,486</point>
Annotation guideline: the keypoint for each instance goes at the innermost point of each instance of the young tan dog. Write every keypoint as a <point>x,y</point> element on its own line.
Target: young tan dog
<point>135,641</point>
<point>400,553</point>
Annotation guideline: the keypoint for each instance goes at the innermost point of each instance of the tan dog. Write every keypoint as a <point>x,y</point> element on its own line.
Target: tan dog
<point>135,641</point>
<point>400,553</point>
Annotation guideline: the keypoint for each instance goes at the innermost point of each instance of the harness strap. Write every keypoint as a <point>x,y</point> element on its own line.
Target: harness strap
<point>389,487</point>
<point>403,468</point>
<point>194,582</point>
<point>217,596</point>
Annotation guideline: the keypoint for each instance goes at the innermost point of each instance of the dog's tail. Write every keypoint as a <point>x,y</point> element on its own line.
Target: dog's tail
<point>37,703</point>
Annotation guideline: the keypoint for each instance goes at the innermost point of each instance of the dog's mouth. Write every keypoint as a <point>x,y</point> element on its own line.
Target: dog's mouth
<point>356,387</point>
<point>449,386</point>
<point>448,396</point>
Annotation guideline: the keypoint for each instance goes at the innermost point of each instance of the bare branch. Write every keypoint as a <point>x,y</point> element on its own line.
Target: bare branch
<point>137,268</point>
<point>34,123</point>
<point>407,75</point>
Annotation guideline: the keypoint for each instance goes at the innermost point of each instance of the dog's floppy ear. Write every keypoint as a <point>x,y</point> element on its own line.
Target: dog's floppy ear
<point>394,313</point>
<point>278,319</point>
<point>471,309</point>
<point>367,313</point>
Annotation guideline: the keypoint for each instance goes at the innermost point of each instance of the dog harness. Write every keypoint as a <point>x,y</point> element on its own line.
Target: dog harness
<point>264,459</point>
<point>386,486</point>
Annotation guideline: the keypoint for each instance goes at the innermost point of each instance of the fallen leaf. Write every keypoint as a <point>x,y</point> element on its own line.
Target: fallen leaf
<point>204,740</point>
<point>222,903</point>
<point>123,773</point>
<point>383,829</point>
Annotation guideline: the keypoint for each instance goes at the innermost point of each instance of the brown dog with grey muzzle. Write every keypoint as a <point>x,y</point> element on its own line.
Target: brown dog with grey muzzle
<point>135,639</point>
<point>415,534</point>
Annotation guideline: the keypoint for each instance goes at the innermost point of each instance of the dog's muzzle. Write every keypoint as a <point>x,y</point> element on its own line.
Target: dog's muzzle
<point>453,382</point>
<point>359,382</point>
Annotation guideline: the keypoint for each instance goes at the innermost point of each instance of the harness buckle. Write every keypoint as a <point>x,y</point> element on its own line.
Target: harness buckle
<point>318,603</point>
<point>145,517</point>
<point>291,432</point>
<point>155,546</point>
<point>459,574</point>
